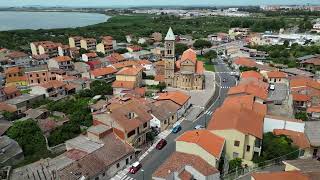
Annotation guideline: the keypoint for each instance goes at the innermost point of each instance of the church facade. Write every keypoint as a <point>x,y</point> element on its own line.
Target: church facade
<point>186,73</point>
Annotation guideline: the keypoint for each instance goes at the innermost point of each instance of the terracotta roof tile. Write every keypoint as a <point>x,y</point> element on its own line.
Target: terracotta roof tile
<point>189,54</point>
<point>277,74</point>
<point>185,175</point>
<point>282,175</point>
<point>177,161</point>
<point>16,54</point>
<point>175,96</point>
<point>312,109</point>
<point>300,97</point>
<point>53,84</point>
<point>298,138</point>
<point>251,74</point>
<point>246,101</point>
<point>315,61</point>
<point>7,107</point>
<point>159,78</point>
<point>62,58</point>
<point>304,82</point>
<point>238,118</point>
<point>12,70</point>
<point>124,64</point>
<point>10,90</point>
<point>249,89</point>
<point>130,71</point>
<point>208,141</point>
<point>159,63</point>
<point>123,84</point>
<point>244,61</point>
<point>103,71</point>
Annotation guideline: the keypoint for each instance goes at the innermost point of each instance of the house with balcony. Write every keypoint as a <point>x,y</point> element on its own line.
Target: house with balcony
<point>107,45</point>
<point>105,73</point>
<point>39,59</point>
<point>15,77</point>
<point>8,93</point>
<point>86,57</point>
<point>45,47</point>
<point>242,130</point>
<point>312,64</point>
<point>129,121</point>
<point>88,44</point>
<point>74,42</point>
<point>52,88</point>
<point>61,62</point>
<point>18,58</point>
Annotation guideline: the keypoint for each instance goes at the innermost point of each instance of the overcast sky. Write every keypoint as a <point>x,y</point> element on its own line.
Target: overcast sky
<point>126,3</point>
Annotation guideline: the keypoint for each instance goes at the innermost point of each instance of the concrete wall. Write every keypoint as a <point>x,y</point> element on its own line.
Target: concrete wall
<point>194,149</point>
<point>271,123</point>
<point>100,48</point>
<point>53,64</point>
<point>34,49</point>
<point>37,90</point>
<point>149,82</point>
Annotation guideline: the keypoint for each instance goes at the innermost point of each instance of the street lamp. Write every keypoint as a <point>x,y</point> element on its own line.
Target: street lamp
<point>142,174</point>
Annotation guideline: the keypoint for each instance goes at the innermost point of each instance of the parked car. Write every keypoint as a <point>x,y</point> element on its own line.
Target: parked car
<point>162,143</point>
<point>135,167</point>
<point>272,87</point>
<point>176,129</point>
<point>199,127</point>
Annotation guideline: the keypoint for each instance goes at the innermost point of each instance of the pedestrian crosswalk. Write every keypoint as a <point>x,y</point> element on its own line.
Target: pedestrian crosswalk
<point>208,112</point>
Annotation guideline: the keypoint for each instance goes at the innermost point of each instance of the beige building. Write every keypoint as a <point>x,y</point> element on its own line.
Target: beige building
<point>202,143</point>
<point>88,44</point>
<point>186,73</point>
<point>45,47</point>
<point>242,129</point>
<point>127,78</point>
<point>75,41</point>
<point>107,45</point>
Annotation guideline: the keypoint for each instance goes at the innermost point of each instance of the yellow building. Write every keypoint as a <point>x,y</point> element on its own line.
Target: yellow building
<point>127,78</point>
<point>242,128</point>
<point>202,143</point>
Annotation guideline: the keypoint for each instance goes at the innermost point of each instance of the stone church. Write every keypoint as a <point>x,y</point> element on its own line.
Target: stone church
<point>186,73</point>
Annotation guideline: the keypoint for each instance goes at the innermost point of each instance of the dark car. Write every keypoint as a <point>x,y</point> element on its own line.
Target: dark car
<point>176,129</point>
<point>162,143</point>
<point>135,167</point>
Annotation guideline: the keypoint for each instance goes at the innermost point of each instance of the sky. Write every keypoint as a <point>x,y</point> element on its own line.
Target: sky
<point>130,3</point>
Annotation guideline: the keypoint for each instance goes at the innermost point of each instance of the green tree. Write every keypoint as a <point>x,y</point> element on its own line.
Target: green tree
<point>100,87</point>
<point>201,44</point>
<point>162,86</point>
<point>100,54</point>
<point>85,93</point>
<point>301,115</point>
<point>235,164</point>
<point>180,48</point>
<point>275,146</point>
<point>63,133</point>
<point>10,116</point>
<point>83,51</point>
<point>29,136</point>
<point>210,55</point>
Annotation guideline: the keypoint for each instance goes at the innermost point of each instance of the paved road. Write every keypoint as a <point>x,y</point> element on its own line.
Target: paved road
<point>155,158</point>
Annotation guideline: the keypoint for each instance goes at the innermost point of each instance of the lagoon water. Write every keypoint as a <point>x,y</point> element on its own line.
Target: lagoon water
<point>12,20</point>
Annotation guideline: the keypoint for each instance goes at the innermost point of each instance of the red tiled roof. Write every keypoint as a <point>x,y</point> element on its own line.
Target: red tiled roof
<point>177,161</point>
<point>16,54</point>
<point>315,61</point>
<point>277,74</point>
<point>160,63</point>
<point>298,138</point>
<point>243,61</point>
<point>124,64</point>
<point>249,89</point>
<point>251,74</point>
<point>53,84</point>
<point>7,107</point>
<point>300,97</point>
<point>189,54</point>
<point>304,82</point>
<point>237,118</point>
<point>10,90</point>
<point>123,84</point>
<point>208,141</point>
<point>75,154</point>
<point>312,109</point>
<point>246,101</point>
<point>103,71</point>
<point>62,58</point>
<point>129,71</point>
<point>12,70</point>
<point>282,175</point>
<point>175,96</point>
<point>115,58</point>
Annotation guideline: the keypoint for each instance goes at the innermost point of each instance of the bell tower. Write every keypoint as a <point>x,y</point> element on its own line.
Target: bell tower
<point>169,57</point>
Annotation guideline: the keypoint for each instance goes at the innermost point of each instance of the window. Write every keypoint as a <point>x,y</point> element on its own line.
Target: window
<point>131,157</point>
<point>104,174</point>
<point>37,75</point>
<point>236,143</point>
<point>248,148</point>
<point>127,161</point>
<point>139,139</point>
<point>145,125</point>
<point>30,75</point>
<point>97,178</point>
<point>235,155</point>
<point>131,133</point>
<point>31,81</point>
<point>43,74</point>
<point>118,165</point>
<point>165,121</point>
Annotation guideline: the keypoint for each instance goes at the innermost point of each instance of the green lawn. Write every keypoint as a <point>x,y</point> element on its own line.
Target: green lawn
<point>208,66</point>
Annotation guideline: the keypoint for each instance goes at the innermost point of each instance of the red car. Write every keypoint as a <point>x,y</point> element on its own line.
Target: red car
<point>162,143</point>
<point>135,167</point>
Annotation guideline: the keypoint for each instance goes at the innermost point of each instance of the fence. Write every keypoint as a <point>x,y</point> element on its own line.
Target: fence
<point>240,172</point>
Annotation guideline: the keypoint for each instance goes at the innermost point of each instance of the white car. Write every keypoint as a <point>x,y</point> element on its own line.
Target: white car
<point>199,127</point>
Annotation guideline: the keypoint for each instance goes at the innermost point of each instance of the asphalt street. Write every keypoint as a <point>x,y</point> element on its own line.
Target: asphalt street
<point>156,157</point>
